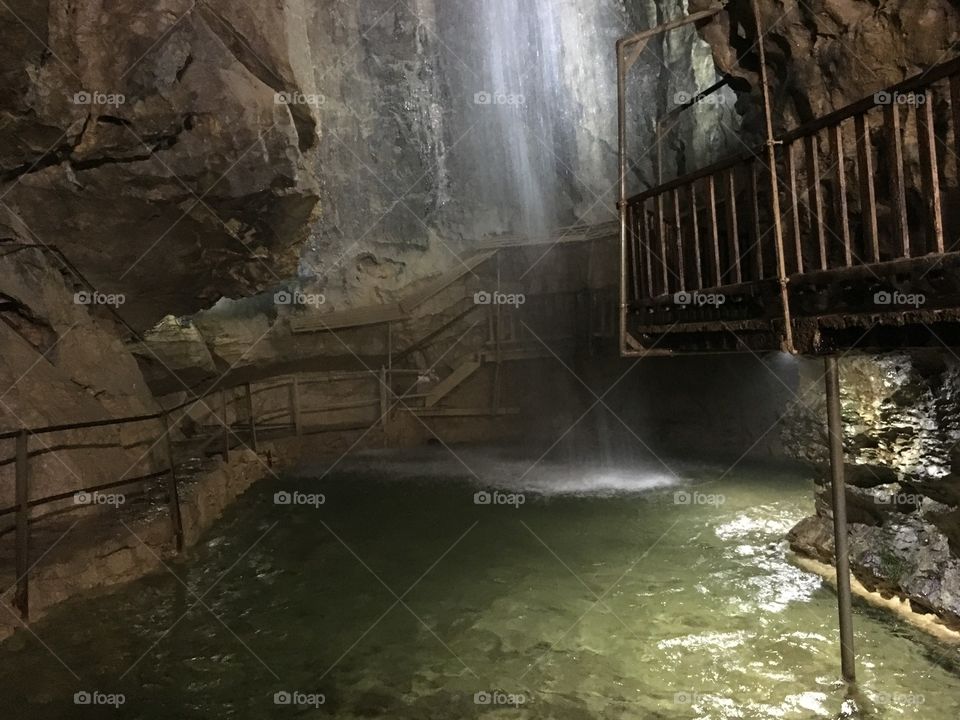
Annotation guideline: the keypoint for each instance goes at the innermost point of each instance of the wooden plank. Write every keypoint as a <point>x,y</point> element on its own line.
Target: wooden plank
<point>661,232</point>
<point>451,382</point>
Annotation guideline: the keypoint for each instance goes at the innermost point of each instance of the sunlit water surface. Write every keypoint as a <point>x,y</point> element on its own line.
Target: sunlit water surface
<point>605,594</point>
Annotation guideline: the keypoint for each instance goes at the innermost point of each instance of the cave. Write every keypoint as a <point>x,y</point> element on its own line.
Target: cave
<point>558,359</point>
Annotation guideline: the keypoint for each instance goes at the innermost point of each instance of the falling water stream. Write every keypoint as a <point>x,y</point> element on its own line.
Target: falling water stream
<point>560,592</point>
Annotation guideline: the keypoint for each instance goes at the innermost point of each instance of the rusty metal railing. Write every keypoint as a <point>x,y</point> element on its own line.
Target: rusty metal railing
<point>856,190</point>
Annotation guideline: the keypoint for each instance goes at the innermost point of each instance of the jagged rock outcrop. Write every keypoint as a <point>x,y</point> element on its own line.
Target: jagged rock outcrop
<point>61,364</point>
<point>149,143</point>
<point>901,432</point>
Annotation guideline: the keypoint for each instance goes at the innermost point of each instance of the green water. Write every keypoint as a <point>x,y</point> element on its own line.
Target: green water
<point>399,597</point>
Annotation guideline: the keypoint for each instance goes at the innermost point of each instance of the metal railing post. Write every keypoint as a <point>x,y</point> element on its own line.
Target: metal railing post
<point>774,187</point>
<point>22,597</point>
<point>226,426</point>
<point>841,550</point>
<point>295,406</point>
<point>173,493</point>
<point>251,417</point>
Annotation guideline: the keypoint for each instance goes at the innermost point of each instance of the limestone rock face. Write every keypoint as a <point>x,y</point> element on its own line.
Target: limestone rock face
<point>825,54</point>
<point>62,364</point>
<point>900,415</point>
<point>148,142</point>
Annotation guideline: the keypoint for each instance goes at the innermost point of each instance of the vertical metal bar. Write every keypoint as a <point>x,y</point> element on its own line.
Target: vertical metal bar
<point>755,233</point>
<point>714,228</point>
<point>634,251</point>
<point>384,398</point>
<point>21,598</point>
<point>622,204</point>
<point>774,184</point>
<point>733,230</point>
<point>840,206</point>
<point>643,250</point>
<point>681,265</point>
<point>390,342</point>
<point>845,605</point>
<point>295,418</point>
<point>955,115</point>
<point>868,194</point>
<point>648,251</point>
<point>173,493</point>
<point>695,220</point>
<point>226,426</point>
<point>790,158</point>
<point>815,198</point>
<point>930,167</point>
<point>660,224</point>
<point>251,417</point>
<point>898,184</point>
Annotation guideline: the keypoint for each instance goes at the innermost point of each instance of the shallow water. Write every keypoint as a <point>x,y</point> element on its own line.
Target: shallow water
<point>575,593</point>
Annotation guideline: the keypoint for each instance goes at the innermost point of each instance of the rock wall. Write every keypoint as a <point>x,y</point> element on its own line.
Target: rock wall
<point>146,141</point>
<point>902,424</point>
<point>62,363</point>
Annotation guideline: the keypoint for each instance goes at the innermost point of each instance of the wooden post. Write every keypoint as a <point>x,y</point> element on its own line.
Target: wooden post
<point>173,493</point>
<point>22,598</point>
<point>841,552</point>
<point>252,419</point>
<point>226,426</point>
<point>295,406</point>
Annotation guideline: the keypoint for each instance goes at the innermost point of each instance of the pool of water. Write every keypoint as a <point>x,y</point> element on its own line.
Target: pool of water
<point>431,586</point>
